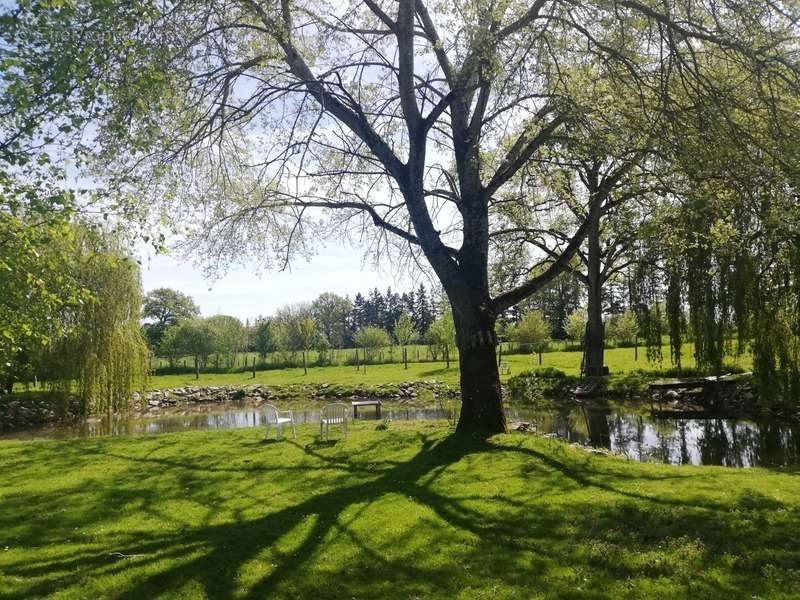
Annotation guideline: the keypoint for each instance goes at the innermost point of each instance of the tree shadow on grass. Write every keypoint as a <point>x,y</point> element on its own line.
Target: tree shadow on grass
<point>319,444</point>
<point>488,532</point>
<point>440,371</point>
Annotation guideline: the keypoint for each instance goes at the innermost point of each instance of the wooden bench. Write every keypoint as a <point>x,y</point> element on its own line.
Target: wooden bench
<point>504,368</point>
<point>360,403</point>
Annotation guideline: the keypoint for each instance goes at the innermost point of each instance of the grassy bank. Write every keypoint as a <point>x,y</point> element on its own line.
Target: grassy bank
<point>619,361</point>
<point>413,512</point>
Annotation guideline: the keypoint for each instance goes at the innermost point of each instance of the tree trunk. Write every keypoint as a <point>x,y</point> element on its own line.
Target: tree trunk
<point>465,279</point>
<point>594,340</point>
<point>305,367</point>
<point>481,399</point>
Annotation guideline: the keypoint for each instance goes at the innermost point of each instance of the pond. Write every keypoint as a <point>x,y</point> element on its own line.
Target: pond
<point>694,441</point>
<point>626,431</point>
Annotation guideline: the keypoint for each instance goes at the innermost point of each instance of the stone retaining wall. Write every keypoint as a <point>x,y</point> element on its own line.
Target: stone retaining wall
<point>29,412</point>
<point>402,392</point>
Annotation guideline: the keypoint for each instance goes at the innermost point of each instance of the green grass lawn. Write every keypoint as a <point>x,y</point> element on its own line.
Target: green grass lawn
<point>619,360</point>
<point>413,512</point>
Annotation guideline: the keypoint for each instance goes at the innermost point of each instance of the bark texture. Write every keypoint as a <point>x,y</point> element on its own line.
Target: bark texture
<point>481,396</point>
<point>594,341</point>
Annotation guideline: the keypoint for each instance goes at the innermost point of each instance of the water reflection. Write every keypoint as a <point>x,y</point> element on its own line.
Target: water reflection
<point>713,441</point>
<point>225,416</point>
<point>716,441</point>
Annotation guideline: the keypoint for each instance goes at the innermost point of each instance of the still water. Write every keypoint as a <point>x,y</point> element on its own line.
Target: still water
<point>708,441</point>
<point>635,435</point>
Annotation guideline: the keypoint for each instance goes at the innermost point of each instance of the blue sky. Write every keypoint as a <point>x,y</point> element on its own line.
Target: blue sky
<point>245,295</point>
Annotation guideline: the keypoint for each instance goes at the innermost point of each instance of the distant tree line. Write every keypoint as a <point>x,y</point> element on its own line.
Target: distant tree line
<point>384,310</point>
<point>370,323</point>
<point>174,329</point>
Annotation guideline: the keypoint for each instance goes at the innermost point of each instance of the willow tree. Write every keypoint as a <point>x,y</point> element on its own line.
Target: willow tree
<point>723,269</point>
<point>723,264</point>
<point>102,355</point>
<point>732,258</point>
<point>254,121</point>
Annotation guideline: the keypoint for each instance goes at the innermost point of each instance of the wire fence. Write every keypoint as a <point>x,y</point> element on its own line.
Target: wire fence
<point>415,353</point>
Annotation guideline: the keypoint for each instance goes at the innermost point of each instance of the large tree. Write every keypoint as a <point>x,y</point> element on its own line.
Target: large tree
<point>716,261</point>
<point>38,275</point>
<point>263,337</point>
<point>330,311</point>
<point>726,262</point>
<point>608,159</point>
<point>230,337</point>
<point>163,308</point>
<point>250,118</point>
<point>623,192</point>
<point>193,337</point>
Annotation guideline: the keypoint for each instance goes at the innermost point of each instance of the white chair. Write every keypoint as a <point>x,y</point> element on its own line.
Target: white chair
<point>279,419</point>
<point>333,414</point>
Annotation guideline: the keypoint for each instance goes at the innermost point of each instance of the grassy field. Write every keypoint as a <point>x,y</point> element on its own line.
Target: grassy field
<point>337,356</point>
<point>343,356</point>
<point>412,512</point>
<point>619,360</point>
